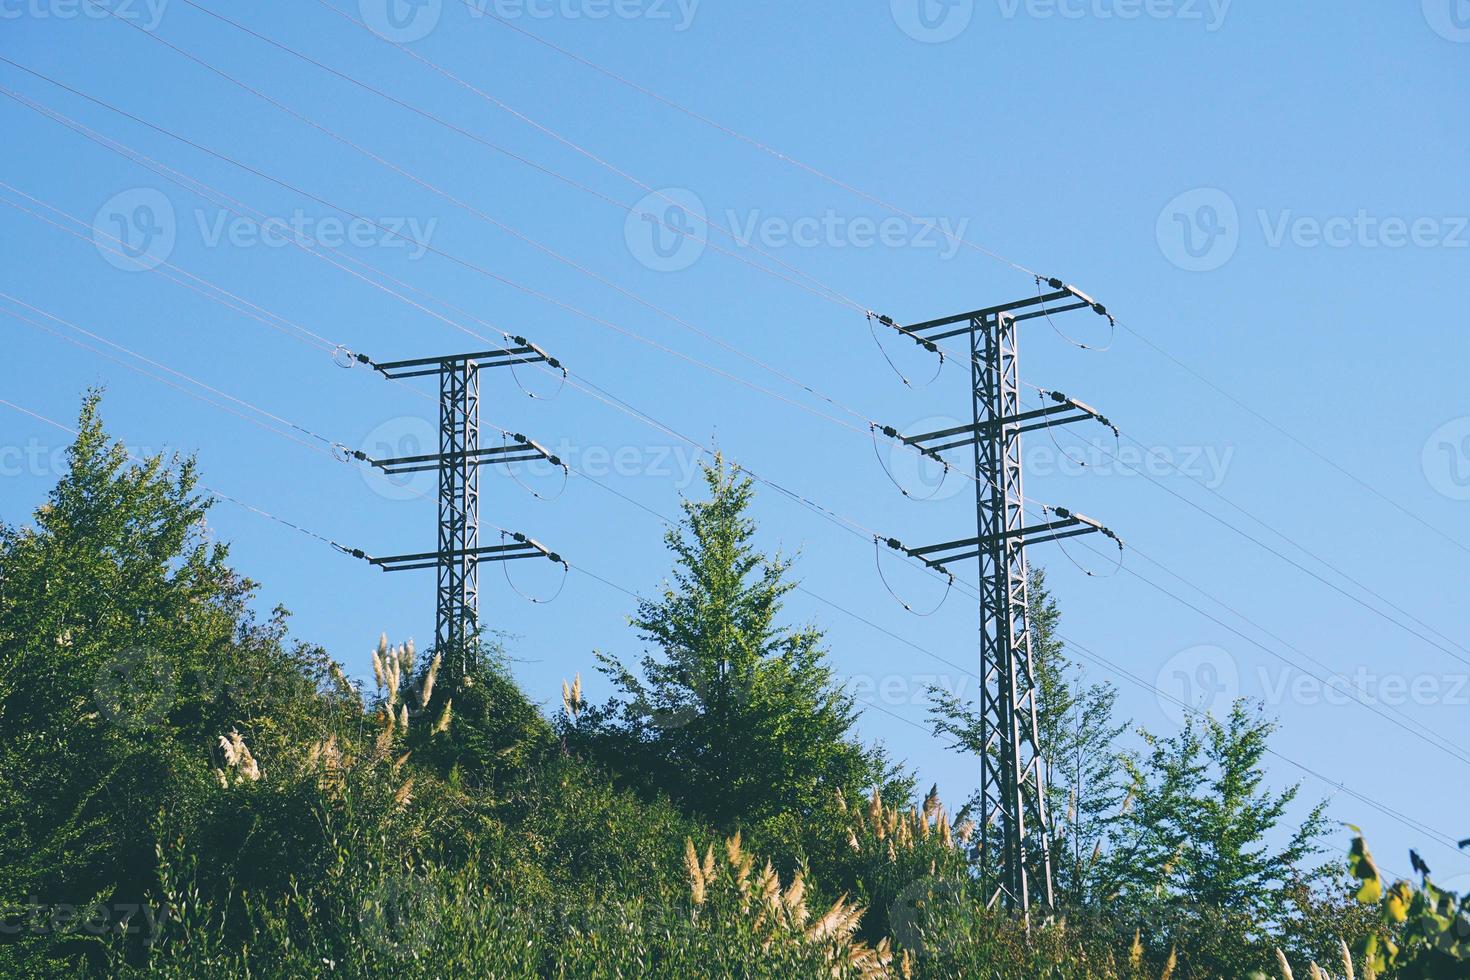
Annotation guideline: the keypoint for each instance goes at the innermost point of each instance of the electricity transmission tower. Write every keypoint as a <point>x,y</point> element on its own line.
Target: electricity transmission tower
<point>458,461</point>
<point>1014,830</point>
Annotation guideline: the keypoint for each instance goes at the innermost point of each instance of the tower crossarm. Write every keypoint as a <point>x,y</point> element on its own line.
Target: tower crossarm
<point>1067,524</point>
<point>519,351</point>
<point>1065,411</point>
<point>517,449</point>
<point>930,333</point>
<point>519,546</point>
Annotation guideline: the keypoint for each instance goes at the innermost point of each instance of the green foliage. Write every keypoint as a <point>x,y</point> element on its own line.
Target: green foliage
<point>1424,930</point>
<point>128,649</point>
<point>162,748</point>
<point>1192,851</point>
<point>736,717</point>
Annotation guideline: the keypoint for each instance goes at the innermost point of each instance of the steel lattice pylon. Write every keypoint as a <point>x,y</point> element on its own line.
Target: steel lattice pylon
<point>1014,837</point>
<point>459,554</point>
<point>457,607</point>
<point>1011,776</point>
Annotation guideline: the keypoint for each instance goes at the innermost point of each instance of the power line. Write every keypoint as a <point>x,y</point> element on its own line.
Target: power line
<point>826,293</point>
<point>1411,823</point>
<point>208,489</point>
<point>583,151</point>
<point>1288,559</point>
<point>965,243</point>
<point>1437,836</point>
<point>848,524</point>
<point>1428,735</point>
<point>586,386</point>
<point>155,166</point>
<point>597,393</point>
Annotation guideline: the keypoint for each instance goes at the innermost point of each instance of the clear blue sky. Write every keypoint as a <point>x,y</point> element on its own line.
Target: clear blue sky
<point>1274,193</point>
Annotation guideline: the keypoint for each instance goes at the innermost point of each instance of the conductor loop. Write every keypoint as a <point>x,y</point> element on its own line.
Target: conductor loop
<point>1046,312</point>
<point>565,571</point>
<point>878,543</point>
<point>888,322</point>
<point>873,429</point>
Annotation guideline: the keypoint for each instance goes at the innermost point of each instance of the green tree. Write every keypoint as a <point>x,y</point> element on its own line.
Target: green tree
<point>1194,849</point>
<point>127,650</point>
<point>736,717</point>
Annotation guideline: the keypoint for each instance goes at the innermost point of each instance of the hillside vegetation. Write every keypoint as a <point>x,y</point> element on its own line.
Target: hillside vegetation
<point>188,791</point>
